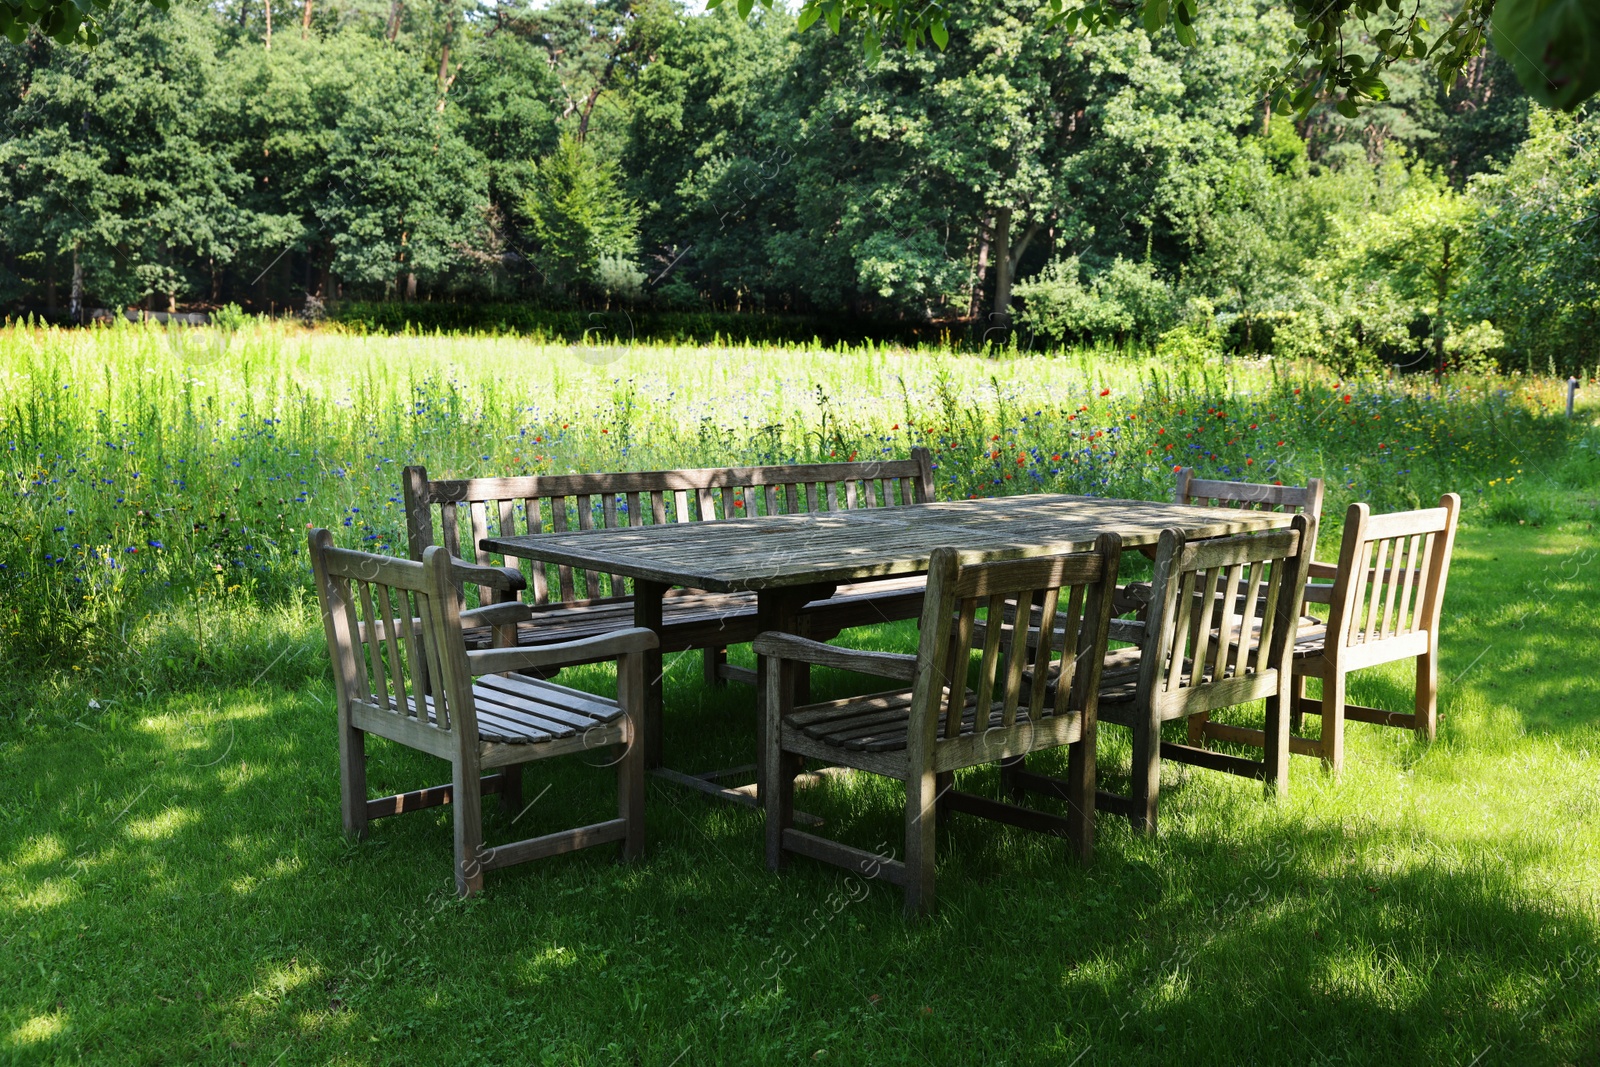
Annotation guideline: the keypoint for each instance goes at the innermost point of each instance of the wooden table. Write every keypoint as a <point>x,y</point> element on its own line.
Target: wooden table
<point>791,560</point>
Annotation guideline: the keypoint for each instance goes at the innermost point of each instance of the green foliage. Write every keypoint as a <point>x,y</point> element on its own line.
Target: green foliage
<point>579,215</point>
<point>1124,303</point>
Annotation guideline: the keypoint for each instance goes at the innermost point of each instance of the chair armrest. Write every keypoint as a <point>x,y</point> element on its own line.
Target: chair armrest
<point>1322,570</point>
<point>804,650</point>
<point>505,579</point>
<point>562,653</point>
<point>509,611</point>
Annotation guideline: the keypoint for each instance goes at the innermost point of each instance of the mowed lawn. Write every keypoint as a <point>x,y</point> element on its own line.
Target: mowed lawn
<point>178,889</point>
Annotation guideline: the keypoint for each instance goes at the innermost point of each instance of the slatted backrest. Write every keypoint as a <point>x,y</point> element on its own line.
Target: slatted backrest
<point>1305,500</point>
<point>1392,573</point>
<point>394,634</point>
<point>1222,617</point>
<point>469,510</point>
<point>1016,688</point>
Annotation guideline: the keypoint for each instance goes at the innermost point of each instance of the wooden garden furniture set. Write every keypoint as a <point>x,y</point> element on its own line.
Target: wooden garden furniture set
<point>453,653</point>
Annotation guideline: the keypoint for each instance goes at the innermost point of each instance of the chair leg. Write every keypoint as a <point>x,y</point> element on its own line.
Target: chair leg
<point>511,791</point>
<point>1297,717</point>
<point>777,767</point>
<point>468,805</point>
<point>1197,728</point>
<point>1146,781</point>
<point>1275,739</point>
<point>1333,722</point>
<point>1427,720</point>
<point>921,824</point>
<point>353,778</point>
<point>1008,777</point>
<point>711,659</point>
<point>630,799</point>
<point>1080,794</point>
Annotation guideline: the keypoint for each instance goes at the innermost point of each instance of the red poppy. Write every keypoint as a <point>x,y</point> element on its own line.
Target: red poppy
<point>1347,398</point>
<point>738,503</point>
<point>1105,392</point>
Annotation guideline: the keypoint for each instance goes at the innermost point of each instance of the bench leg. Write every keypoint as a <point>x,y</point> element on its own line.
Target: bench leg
<point>631,765</point>
<point>1297,717</point>
<point>353,778</point>
<point>1427,705</point>
<point>714,658</point>
<point>1080,792</point>
<point>647,613</point>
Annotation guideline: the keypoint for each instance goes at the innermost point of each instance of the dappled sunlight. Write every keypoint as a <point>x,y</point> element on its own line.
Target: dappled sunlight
<point>38,1030</point>
<point>161,826</point>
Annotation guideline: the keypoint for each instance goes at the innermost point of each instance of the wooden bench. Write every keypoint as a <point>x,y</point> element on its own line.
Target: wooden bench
<point>569,604</point>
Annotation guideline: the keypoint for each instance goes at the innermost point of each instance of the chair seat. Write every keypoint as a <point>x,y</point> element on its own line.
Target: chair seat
<point>879,722</point>
<point>517,710</point>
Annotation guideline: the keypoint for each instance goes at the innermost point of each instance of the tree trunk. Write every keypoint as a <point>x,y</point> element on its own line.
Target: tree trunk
<point>397,11</point>
<point>976,304</point>
<point>75,300</point>
<point>411,286</point>
<point>50,283</point>
<point>1441,293</point>
<point>269,24</point>
<point>305,21</point>
<point>1006,259</point>
<point>1001,315</point>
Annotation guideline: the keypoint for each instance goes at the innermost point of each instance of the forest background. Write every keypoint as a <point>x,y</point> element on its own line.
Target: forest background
<point>468,164</point>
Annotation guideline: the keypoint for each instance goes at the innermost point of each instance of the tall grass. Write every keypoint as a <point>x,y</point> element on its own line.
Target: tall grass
<point>156,473</point>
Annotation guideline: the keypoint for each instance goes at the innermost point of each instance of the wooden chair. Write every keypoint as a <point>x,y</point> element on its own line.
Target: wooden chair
<point>935,724</point>
<point>568,603</point>
<point>1401,560</point>
<point>403,671</point>
<point>1190,661</point>
<point>1204,492</point>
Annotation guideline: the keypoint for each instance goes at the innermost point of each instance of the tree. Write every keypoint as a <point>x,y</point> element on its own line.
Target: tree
<point>578,214</point>
<point>108,161</point>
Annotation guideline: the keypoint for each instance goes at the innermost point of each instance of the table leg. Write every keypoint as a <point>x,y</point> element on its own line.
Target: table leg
<point>647,597</point>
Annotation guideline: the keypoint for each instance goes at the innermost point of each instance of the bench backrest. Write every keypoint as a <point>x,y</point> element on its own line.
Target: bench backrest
<point>1202,650</point>
<point>470,509</point>
<point>1304,499</point>
<point>394,635</point>
<point>1390,589</point>
<point>1016,696</point>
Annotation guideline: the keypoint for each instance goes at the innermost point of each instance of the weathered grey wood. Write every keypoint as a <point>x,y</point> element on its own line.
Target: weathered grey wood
<point>403,671</point>
<point>1193,661</point>
<point>844,546</point>
<point>922,734</point>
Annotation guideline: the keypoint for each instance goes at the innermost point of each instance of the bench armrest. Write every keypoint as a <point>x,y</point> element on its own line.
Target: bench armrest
<point>1318,594</point>
<point>502,614</point>
<point>1323,570</point>
<point>1130,630</point>
<point>562,653</point>
<point>894,665</point>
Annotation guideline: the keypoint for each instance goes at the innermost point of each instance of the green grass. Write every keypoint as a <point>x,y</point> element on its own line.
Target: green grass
<point>178,889</point>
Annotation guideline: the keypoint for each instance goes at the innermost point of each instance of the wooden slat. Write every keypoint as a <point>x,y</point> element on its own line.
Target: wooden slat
<point>391,622</point>
<point>1375,590</point>
<point>449,533</point>
<point>1402,622</point>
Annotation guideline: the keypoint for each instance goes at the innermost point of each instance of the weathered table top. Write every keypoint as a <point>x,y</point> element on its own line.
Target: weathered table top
<point>771,552</point>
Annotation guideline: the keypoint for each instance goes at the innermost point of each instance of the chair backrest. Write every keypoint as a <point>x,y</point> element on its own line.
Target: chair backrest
<point>1069,597</point>
<point>469,509</point>
<point>1306,499</point>
<point>1390,588</point>
<point>1202,647</point>
<point>394,635</point>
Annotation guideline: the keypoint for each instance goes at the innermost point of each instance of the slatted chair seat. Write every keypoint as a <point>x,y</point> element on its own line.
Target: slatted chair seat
<point>403,671</point>
<point>934,723</point>
<point>880,722</point>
